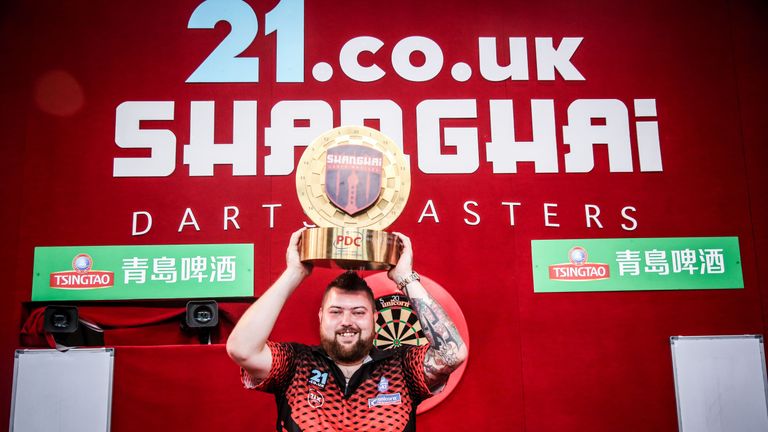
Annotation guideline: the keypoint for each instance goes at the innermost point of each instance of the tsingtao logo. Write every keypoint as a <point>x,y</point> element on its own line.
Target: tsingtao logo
<point>578,269</point>
<point>82,275</point>
<point>82,263</point>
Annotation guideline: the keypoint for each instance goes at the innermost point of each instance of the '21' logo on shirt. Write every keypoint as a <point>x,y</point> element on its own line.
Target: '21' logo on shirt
<point>318,378</point>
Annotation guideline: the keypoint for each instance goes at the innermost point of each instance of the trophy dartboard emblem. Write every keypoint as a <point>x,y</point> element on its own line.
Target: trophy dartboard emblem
<point>352,182</point>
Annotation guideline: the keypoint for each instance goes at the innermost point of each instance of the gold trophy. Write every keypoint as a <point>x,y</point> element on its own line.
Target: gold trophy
<point>352,182</point>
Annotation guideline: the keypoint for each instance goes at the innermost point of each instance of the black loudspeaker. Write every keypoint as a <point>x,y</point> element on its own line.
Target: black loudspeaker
<point>60,319</point>
<point>202,314</point>
<point>68,330</point>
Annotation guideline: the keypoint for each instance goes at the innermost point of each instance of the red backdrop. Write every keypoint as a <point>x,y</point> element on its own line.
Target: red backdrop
<point>539,362</point>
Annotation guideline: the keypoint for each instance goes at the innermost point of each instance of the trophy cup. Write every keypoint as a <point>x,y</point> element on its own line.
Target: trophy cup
<point>352,182</point>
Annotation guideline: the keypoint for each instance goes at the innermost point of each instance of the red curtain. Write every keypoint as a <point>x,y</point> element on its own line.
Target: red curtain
<point>135,325</point>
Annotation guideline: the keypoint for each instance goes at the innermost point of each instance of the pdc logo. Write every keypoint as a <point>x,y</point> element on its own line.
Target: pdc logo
<point>347,241</point>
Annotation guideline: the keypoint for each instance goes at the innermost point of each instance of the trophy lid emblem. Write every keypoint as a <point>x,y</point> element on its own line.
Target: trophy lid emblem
<point>353,176</point>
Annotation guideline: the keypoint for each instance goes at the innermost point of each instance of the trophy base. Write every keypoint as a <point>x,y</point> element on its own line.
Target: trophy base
<point>350,248</point>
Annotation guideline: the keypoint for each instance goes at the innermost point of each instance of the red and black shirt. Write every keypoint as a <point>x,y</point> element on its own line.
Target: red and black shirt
<point>312,394</point>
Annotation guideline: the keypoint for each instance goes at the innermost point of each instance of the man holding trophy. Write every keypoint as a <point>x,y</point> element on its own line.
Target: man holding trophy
<point>347,384</point>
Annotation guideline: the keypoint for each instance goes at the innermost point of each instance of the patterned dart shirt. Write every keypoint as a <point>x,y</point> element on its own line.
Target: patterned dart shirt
<point>312,394</point>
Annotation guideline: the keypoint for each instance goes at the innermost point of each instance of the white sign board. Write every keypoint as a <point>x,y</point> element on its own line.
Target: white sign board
<point>62,391</point>
<point>720,383</point>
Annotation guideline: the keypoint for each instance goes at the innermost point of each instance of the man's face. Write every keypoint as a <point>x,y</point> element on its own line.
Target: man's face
<point>346,325</point>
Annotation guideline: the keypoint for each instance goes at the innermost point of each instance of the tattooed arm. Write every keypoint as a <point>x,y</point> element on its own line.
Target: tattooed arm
<point>447,350</point>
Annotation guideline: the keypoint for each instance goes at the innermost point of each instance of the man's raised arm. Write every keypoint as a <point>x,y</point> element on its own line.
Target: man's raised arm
<point>247,342</point>
<point>447,350</point>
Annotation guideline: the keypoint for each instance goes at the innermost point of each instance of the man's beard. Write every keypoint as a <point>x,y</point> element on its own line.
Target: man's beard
<point>346,354</point>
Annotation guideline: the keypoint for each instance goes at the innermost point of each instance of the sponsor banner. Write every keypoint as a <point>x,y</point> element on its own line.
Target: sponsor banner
<point>385,399</point>
<point>142,272</point>
<point>636,264</point>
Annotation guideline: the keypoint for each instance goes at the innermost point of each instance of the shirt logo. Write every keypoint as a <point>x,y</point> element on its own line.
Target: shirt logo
<point>315,399</point>
<point>385,399</point>
<point>318,378</point>
<point>383,385</point>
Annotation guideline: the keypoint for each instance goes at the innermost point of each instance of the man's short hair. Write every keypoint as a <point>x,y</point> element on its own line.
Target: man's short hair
<point>350,282</point>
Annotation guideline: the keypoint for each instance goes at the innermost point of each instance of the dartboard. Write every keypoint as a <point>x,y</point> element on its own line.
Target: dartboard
<point>396,326</point>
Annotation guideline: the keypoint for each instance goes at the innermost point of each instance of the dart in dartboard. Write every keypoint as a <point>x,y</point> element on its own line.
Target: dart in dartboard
<point>396,323</point>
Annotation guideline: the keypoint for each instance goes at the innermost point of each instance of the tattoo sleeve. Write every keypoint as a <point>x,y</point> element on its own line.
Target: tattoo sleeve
<point>445,342</point>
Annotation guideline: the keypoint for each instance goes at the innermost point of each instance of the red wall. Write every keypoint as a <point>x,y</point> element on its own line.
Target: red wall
<point>539,362</point>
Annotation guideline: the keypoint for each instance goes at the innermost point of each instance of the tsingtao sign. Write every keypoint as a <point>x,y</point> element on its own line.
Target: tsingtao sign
<point>637,264</point>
